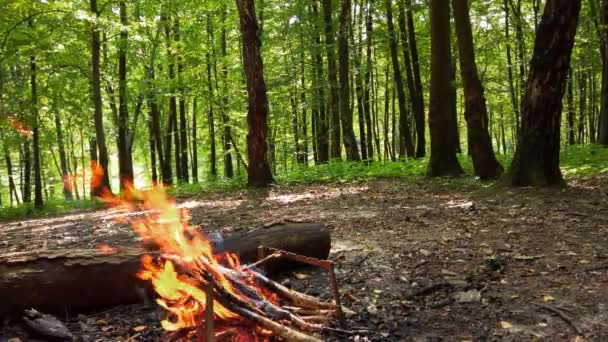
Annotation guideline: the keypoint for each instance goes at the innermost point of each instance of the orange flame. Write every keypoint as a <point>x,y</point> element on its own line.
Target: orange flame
<point>179,276</point>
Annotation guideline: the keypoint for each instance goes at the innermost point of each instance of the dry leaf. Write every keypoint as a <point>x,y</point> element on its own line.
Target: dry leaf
<point>139,328</point>
<point>506,325</point>
<point>301,276</point>
<point>548,298</point>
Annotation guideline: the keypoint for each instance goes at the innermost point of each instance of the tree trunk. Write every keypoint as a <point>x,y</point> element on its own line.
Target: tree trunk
<point>570,128</point>
<point>11,180</point>
<point>63,160</point>
<point>582,107</point>
<point>98,188</point>
<point>512,92</point>
<point>66,280</point>
<point>332,75</point>
<point>226,132</point>
<point>194,140</point>
<point>346,115</point>
<point>183,124</point>
<point>38,202</point>
<point>125,160</point>
<point>536,160</point>
<point>418,98</point>
<point>156,132</point>
<point>443,160</point>
<point>476,113</point>
<point>210,114</point>
<point>322,134</point>
<point>258,171</point>
<point>406,147</point>
<point>417,105</point>
<point>603,138</point>
<point>152,147</point>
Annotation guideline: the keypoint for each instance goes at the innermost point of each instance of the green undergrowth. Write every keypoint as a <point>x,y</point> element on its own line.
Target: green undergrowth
<point>576,162</point>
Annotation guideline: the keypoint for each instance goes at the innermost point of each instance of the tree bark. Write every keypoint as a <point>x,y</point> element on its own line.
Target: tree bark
<point>603,121</point>
<point>258,171</point>
<point>512,92</point>
<point>476,113</point>
<point>63,160</point>
<point>210,114</point>
<point>367,107</point>
<point>183,124</point>
<point>536,160</point>
<point>98,188</point>
<point>443,160</point>
<point>332,75</point>
<point>69,280</point>
<point>226,131</point>
<point>406,147</point>
<point>346,114</point>
<point>321,129</point>
<point>125,160</point>
<point>570,127</point>
<point>12,188</point>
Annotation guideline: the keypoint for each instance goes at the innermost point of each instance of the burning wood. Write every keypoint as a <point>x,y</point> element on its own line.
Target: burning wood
<point>200,288</point>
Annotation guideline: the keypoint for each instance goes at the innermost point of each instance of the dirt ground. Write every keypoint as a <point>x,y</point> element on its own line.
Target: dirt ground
<point>419,263</point>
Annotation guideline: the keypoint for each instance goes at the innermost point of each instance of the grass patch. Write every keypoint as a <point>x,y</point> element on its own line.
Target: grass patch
<point>576,162</point>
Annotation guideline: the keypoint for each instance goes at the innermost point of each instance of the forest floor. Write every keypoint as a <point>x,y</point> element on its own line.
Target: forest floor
<point>507,264</point>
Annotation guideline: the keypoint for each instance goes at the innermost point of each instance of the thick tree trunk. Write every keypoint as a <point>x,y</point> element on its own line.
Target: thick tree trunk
<point>476,113</point>
<point>406,147</point>
<point>258,171</point>
<point>332,75</point>
<point>443,160</point>
<point>71,280</point>
<point>536,160</point>
<point>100,137</point>
<point>346,114</point>
<point>125,160</point>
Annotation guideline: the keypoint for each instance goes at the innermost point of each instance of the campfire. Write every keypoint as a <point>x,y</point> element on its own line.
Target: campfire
<point>210,296</point>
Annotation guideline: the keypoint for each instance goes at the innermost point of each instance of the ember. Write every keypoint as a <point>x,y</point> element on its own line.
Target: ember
<point>189,277</point>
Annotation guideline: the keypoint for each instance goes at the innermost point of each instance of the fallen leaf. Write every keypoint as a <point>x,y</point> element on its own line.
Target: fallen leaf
<point>548,298</point>
<point>14,339</point>
<point>301,276</point>
<point>139,328</point>
<point>506,324</point>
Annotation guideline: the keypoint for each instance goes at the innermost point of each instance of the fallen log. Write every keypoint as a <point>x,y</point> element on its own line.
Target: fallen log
<point>83,279</point>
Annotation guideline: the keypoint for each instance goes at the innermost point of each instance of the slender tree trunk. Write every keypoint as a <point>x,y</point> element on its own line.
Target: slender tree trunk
<point>63,160</point>
<point>332,75</point>
<point>304,105</point>
<point>603,121</point>
<point>183,124</point>
<point>418,98</point>
<point>406,146</point>
<point>156,132</point>
<point>322,134</point>
<point>258,173</point>
<point>152,146</point>
<point>359,86</point>
<point>367,108</point>
<point>476,113</point>
<point>512,92</point>
<point>11,178</point>
<point>98,186</point>
<point>443,160</point>
<point>536,160</point>
<point>582,107</point>
<point>226,132</point>
<point>172,132</point>
<point>210,114</point>
<point>125,161</point>
<point>417,105</point>
<point>571,114</point>
<point>346,115</point>
<point>194,139</point>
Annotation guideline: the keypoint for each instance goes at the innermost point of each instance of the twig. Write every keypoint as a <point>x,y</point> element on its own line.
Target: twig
<point>261,261</point>
<point>597,268</point>
<point>564,317</point>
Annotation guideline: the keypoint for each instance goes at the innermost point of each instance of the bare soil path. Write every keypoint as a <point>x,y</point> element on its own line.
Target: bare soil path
<point>506,265</point>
